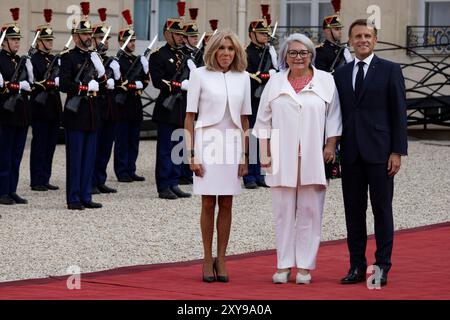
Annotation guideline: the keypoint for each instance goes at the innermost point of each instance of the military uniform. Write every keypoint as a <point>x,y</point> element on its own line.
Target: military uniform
<point>254,57</point>
<point>80,126</point>
<point>330,56</point>
<point>13,123</point>
<point>46,114</point>
<point>164,65</point>
<point>126,148</point>
<point>108,116</point>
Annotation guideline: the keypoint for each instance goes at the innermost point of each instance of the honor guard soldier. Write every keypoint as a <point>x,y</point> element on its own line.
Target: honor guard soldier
<point>81,72</point>
<point>46,108</point>
<point>213,23</point>
<point>165,64</point>
<point>262,63</point>
<point>331,53</point>
<point>194,59</point>
<point>134,79</point>
<point>107,107</point>
<point>16,77</point>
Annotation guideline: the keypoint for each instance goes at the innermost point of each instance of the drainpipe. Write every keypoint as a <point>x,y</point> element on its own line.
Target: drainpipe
<point>242,20</point>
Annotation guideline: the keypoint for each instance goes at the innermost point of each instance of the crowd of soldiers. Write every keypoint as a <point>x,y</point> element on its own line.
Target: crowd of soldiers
<point>103,109</point>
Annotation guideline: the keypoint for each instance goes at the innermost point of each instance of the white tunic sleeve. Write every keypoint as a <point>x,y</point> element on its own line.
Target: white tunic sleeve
<point>247,106</point>
<point>333,117</point>
<point>193,94</point>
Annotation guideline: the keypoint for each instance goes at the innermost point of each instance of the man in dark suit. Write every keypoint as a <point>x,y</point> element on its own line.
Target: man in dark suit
<point>374,137</point>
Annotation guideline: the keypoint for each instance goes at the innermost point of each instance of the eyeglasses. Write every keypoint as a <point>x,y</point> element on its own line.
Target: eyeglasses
<point>295,53</point>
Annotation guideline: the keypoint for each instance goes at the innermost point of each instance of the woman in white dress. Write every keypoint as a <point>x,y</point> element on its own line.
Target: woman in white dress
<point>219,94</point>
<point>298,124</point>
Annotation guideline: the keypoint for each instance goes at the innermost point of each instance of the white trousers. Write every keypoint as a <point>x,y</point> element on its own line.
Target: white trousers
<point>297,214</point>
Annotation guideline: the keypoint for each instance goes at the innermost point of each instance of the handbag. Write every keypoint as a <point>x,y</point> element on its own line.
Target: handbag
<point>332,169</point>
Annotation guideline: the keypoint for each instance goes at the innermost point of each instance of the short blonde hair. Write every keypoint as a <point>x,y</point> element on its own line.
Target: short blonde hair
<point>240,58</point>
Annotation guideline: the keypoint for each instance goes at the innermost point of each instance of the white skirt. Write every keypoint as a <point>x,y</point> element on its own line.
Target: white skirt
<point>219,149</point>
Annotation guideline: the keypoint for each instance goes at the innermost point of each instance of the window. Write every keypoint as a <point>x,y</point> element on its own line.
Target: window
<point>304,12</point>
<point>437,13</point>
<point>167,9</point>
<point>142,19</point>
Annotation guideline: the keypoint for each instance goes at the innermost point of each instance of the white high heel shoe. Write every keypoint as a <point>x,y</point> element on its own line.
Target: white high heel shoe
<point>281,277</point>
<point>303,279</point>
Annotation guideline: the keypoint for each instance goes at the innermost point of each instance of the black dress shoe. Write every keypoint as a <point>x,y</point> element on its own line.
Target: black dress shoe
<point>219,278</point>
<point>354,275</point>
<point>103,188</point>
<point>382,279</point>
<point>179,193</point>
<point>126,178</point>
<point>251,185</point>
<point>39,188</point>
<point>75,206</point>
<point>92,205</point>
<point>51,187</point>
<point>167,194</point>
<point>17,199</point>
<point>95,190</point>
<point>6,200</point>
<point>262,184</point>
<point>135,177</point>
<point>185,181</point>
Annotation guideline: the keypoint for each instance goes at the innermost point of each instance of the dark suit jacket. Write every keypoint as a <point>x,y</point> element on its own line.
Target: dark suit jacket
<point>374,125</point>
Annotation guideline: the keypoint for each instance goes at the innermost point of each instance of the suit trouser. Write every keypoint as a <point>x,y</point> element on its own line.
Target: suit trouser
<point>80,158</point>
<point>105,140</point>
<point>254,166</point>
<point>167,173</point>
<point>357,179</point>
<point>43,144</point>
<point>297,214</point>
<point>12,144</point>
<point>126,147</point>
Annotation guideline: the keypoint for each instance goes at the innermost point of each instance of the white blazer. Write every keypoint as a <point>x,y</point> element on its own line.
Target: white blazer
<point>289,119</point>
<point>208,94</point>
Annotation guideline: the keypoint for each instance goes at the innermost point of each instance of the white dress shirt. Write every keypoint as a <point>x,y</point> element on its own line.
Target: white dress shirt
<point>367,62</point>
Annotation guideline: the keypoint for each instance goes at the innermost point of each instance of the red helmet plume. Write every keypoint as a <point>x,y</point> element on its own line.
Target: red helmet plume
<point>15,13</point>
<point>102,14</point>
<point>181,8</point>
<point>48,15</point>
<point>193,13</point>
<point>213,23</point>
<point>127,16</point>
<point>336,5</point>
<point>85,7</point>
<point>264,10</point>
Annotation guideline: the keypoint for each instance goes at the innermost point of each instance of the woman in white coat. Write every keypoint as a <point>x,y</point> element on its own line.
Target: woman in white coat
<point>298,124</point>
<point>219,94</point>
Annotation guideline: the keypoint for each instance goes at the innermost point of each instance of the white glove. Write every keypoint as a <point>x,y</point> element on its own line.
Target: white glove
<point>98,64</point>
<point>274,57</point>
<point>57,81</point>
<point>93,86</point>
<point>185,85</point>
<point>144,63</point>
<point>191,65</point>
<point>272,72</point>
<point>110,85</point>
<point>2,82</point>
<point>24,86</point>
<point>30,73</point>
<point>348,56</point>
<point>139,85</point>
<point>114,65</point>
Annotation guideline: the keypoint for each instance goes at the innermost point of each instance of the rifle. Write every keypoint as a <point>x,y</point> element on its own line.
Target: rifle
<point>20,74</point>
<point>182,74</point>
<point>341,50</point>
<point>260,88</point>
<point>134,71</point>
<point>51,73</point>
<point>2,38</point>
<point>84,75</point>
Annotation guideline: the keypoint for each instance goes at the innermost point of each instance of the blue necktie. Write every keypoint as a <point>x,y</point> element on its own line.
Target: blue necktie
<point>359,79</point>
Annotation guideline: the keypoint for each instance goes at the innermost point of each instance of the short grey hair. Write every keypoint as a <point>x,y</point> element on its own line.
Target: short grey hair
<point>299,37</point>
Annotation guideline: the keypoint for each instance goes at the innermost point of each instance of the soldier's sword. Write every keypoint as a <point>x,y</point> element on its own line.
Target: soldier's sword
<point>149,48</point>
<point>2,38</point>
<point>199,43</point>
<point>66,46</point>
<point>122,48</point>
<point>274,30</point>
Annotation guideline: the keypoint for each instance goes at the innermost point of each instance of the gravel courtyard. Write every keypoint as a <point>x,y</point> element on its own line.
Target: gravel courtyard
<point>134,227</point>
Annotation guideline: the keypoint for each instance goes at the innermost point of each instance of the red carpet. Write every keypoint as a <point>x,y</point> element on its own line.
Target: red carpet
<point>420,271</point>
